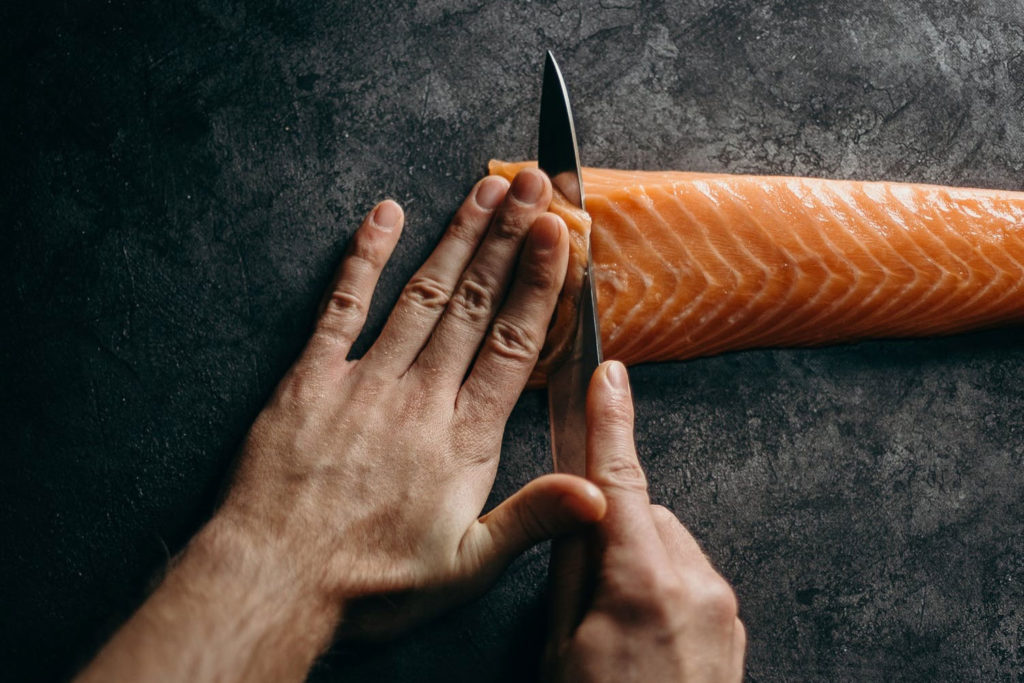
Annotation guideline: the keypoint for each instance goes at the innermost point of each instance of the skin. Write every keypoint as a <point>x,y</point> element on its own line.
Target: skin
<point>657,609</point>
<point>354,510</point>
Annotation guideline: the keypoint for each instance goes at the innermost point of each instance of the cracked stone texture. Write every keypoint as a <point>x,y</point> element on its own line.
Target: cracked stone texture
<point>179,178</point>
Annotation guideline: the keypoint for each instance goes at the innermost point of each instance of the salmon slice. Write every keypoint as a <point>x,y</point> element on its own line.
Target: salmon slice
<point>694,264</point>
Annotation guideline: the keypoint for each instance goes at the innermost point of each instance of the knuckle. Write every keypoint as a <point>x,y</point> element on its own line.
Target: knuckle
<point>465,228</point>
<point>597,632</point>
<point>298,387</point>
<point>665,605</point>
<point>345,303</point>
<point>510,339</point>
<point>512,225</point>
<point>624,472</point>
<point>635,587</point>
<point>672,596</point>
<point>616,410</point>
<point>538,276</point>
<point>644,595</point>
<point>426,293</point>
<point>343,309</point>
<point>366,247</point>
<point>715,601</point>
<point>662,515</point>
<point>473,301</point>
<point>371,380</point>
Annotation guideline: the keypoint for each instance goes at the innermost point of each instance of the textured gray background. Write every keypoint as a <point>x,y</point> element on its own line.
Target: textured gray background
<point>179,177</point>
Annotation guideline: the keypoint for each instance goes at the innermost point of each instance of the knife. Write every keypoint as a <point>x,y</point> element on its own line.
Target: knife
<point>558,156</point>
<point>571,582</point>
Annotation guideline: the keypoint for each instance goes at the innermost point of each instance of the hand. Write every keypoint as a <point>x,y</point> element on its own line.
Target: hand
<point>659,611</point>
<point>357,493</point>
<point>371,474</point>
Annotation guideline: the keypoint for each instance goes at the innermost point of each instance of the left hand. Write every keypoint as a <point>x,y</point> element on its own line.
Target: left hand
<point>366,477</point>
<point>358,490</point>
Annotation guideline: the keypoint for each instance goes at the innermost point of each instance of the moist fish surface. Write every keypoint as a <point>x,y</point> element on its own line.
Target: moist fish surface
<point>694,264</point>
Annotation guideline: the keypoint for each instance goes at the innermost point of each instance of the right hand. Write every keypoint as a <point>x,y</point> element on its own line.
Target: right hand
<point>659,611</point>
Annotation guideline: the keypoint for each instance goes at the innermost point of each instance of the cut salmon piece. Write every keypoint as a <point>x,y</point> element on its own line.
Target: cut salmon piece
<point>694,264</point>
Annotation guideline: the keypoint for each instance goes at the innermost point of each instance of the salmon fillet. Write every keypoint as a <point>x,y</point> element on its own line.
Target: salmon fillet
<point>694,264</point>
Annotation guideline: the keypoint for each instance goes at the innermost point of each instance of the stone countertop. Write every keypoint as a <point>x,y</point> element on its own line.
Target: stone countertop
<point>179,179</point>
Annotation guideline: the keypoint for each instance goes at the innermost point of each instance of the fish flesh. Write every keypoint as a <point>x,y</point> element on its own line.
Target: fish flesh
<point>695,264</point>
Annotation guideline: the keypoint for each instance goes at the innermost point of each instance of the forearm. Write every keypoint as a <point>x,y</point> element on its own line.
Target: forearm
<point>229,610</point>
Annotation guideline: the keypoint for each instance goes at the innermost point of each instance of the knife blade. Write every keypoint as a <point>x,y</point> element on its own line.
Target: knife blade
<point>558,156</point>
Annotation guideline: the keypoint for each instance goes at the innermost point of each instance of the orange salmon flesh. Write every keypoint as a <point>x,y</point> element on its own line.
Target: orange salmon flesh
<point>694,264</point>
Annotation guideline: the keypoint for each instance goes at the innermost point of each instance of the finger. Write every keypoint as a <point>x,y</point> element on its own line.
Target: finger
<point>548,506</point>
<point>682,547</point>
<point>612,462</point>
<point>343,310</point>
<point>429,290</point>
<point>511,348</point>
<point>458,334</point>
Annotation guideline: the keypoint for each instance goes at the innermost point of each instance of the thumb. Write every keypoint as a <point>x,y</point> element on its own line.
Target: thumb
<point>612,461</point>
<point>549,506</point>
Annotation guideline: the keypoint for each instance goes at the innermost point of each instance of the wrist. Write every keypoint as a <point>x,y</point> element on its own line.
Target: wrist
<point>229,609</point>
<point>262,587</point>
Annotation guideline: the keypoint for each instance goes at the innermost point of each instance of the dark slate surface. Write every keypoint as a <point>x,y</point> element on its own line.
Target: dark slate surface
<point>178,179</point>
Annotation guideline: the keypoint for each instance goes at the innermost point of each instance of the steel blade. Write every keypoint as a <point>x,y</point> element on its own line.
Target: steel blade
<point>558,156</point>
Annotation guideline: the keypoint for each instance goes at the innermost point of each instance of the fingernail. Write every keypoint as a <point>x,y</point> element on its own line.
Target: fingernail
<point>491,191</point>
<point>528,186</point>
<point>617,377</point>
<point>387,215</point>
<point>546,234</point>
